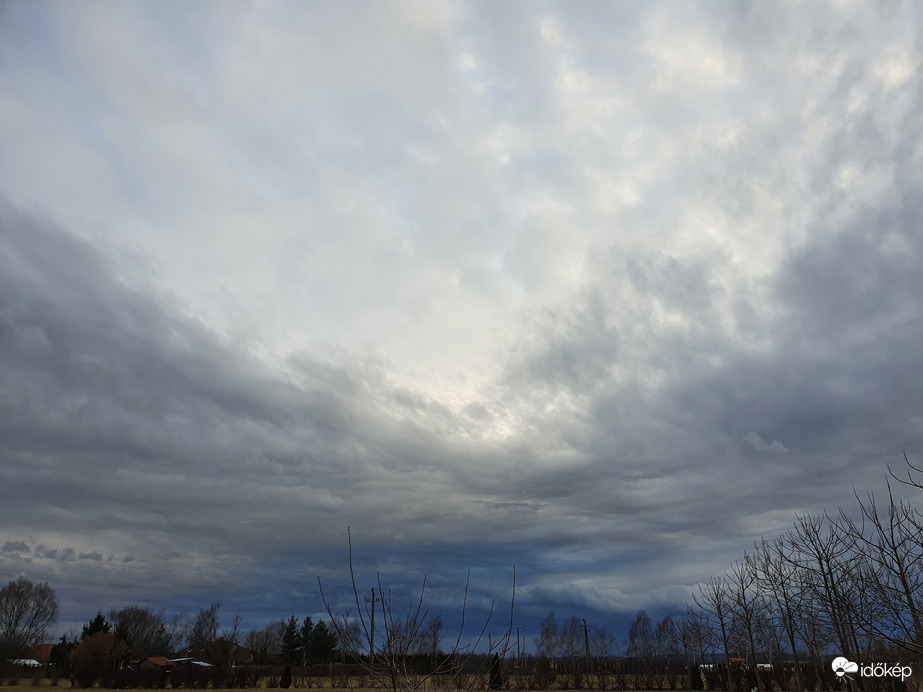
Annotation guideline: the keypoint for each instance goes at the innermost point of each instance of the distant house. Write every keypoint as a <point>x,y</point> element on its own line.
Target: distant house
<point>156,663</point>
<point>192,662</point>
<point>34,656</point>
<point>217,653</point>
<point>40,653</point>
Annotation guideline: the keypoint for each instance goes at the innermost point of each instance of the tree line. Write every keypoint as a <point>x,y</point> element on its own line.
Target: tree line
<point>844,583</point>
<point>135,633</point>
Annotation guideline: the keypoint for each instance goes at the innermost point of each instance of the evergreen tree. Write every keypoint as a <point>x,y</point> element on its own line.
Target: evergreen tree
<point>286,680</point>
<point>291,643</point>
<point>59,658</point>
<point>307,638</point>
<point>98,625</point>
<point>323,644</point>
<point>496,679</point>
<point>695,677</point>
<point>95,654</point>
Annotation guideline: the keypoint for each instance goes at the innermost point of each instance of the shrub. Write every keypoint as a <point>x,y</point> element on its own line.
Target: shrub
<point>544,673</point>
<point>496,679</point>
<point>695,677</point>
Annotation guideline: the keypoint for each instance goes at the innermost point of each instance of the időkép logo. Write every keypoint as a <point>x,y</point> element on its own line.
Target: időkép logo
<point>842,666</point>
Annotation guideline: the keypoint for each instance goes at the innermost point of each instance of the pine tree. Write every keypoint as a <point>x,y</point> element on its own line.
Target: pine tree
<point>59,658</point>
<point>98,625</point>
<point>695,677</point>
<point>286,680</point>
<point>307,641</point>
<point>95,654</point>
<point>323,644</point>
<point>291,642</point>
<point>496,679</point>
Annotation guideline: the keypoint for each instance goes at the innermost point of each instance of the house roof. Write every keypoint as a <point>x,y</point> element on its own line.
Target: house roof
<point>216,650</point>
<point>160,661</point>
<point>192,662</point>
<point>40,653</point>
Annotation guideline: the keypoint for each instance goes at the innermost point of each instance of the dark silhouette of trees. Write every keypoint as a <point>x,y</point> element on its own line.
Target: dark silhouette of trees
<point>266,644</point>
<point>286,680</point>
<point>778,580</point>
<point>98,625</point>
<point>748,611</point>
<point>59,659</point>
<point>27,610</point>
<point>291,643</point>
<point>95,654</point>
<point>549,641</point>
<point>392,662</point>
<point>145,631</point>
<point>321,645</point>
<point>892,571</point>
<point>207,641</point>
<point>430,637</point>
<point>714,600</point>
<point>850,581</point>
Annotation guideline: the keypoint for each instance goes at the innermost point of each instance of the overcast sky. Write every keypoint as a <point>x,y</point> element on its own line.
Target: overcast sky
<point>603,290</point>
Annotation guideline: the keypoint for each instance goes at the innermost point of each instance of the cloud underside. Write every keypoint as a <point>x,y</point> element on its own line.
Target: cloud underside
<point>605,306</point>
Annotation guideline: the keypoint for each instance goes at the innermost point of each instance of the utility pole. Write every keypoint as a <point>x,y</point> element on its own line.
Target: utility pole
<point>518,650</point>
<point>586,645</point>
<point>372,635</point>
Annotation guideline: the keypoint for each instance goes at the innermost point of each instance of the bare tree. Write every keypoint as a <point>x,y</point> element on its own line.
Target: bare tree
<point>643,646</point>
<point>232,633</point>
<point>714,599</point>
<point>145,631</point>
<point>204,627</point>
<point>549,639</point>
<point>267,642</point>
<point>912,471</point>
<point>815,636</point>
<point>819,547</point>
<point>401,631</point>
<point>778,579</point>
<point>695,634</point>
<point>892,569</point>
<point>829,569</point>
<point>670,642</point>
<point>602,642</point>
<point>571,646</point>
<point>641,642</point>
<point>206,639</point>
<point>348,634</point>
<point>602,645</point>
<point>27,610</point>
<point>430,637</point>
<point>747,608</point>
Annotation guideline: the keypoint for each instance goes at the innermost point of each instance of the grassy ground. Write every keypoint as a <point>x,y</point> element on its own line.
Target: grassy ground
<point>65,685</point>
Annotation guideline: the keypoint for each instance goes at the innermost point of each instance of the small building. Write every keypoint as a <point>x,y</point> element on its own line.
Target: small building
<point>156,663</point>
<point>218,652</point>
<point>40,653</point>
<point>188,661</point>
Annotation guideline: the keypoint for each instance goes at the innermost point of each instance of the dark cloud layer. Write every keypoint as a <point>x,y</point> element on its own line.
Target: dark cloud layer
<point>602,292</point>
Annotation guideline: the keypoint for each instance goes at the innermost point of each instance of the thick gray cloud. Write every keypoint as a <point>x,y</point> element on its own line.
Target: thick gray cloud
<point>604,291</point>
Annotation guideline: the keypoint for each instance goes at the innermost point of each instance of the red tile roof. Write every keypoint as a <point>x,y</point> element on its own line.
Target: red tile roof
<point>160,661</point>
<point>41,653</point>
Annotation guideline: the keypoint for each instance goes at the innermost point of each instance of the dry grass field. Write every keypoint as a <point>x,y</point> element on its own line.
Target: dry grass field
<point>48,686</point>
